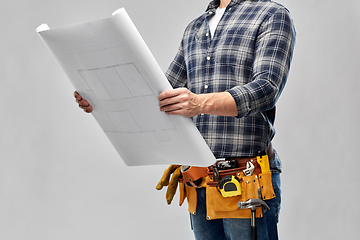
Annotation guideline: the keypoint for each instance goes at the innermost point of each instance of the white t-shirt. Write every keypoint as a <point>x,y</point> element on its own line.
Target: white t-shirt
<point>214,21</point>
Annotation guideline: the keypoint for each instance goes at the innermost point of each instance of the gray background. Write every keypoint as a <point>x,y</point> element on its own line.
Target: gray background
<point>60,178</point>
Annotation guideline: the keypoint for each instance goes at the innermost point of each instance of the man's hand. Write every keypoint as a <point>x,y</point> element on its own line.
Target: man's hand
<point>180,101</point>
<point>83,104</point>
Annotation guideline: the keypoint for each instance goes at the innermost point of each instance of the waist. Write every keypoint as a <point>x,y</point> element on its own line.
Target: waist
<point>269,151</point>
<point>232,138</point>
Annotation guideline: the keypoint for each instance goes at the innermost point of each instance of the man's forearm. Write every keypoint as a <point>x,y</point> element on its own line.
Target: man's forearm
<point>182,101</point>
<point>221,104</point>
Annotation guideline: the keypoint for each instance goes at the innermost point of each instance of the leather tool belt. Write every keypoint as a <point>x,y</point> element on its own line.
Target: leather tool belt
<point>242,162</point>
<point>192,176</point>
<point>254,180</point>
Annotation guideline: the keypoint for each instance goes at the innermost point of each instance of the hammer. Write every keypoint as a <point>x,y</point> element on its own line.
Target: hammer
<point>253,204</point>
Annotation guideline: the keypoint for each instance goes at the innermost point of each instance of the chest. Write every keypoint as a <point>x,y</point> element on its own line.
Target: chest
<point>234,37</point>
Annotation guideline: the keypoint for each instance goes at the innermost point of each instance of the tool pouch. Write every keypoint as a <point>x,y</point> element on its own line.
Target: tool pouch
<point>254,184</point>
<point>191,178</point>
<point>227,207</point>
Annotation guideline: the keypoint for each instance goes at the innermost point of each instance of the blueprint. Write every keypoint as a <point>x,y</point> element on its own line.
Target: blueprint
<point>111,66</point>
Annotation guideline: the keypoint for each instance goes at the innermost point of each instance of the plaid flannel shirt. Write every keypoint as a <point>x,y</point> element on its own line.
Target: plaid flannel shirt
<point>249,56</point>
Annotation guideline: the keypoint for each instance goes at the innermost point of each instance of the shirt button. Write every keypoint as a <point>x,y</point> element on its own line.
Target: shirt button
<point>207,34</point>
<point>208,58</point>
<point>206,86</point>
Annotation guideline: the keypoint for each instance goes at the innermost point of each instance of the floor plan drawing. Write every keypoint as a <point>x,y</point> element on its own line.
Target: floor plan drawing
<point>110,65</point>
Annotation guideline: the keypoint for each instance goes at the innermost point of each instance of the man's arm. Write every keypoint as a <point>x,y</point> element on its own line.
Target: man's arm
<point>272,58</point>
<point>273,53</point>
<point>183,102</point>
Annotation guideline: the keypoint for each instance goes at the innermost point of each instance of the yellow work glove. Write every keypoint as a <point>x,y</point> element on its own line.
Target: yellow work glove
<point>172,184</point>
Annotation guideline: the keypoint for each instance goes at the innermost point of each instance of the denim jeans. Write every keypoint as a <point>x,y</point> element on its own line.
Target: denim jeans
<point>237,229</point>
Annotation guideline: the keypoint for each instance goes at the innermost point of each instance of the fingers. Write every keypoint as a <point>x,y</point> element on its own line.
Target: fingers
<point>77,96</point>
<point>83,104</point>
<point>173,96</point>
<point>168,94</point>
<point>179,101</point>
<point>87,109</point>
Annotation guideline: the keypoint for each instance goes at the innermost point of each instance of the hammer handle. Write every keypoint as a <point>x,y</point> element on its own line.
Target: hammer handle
<point>253,233</point>
<point>253,224</point>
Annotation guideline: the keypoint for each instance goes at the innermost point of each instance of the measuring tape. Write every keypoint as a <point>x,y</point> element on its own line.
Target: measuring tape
<point>229,186</point>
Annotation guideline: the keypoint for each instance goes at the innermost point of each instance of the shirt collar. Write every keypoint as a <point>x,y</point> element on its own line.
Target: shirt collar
<point>216,3</point>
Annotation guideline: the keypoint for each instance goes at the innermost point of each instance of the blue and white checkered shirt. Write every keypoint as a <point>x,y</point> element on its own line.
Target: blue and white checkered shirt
<point>249,56</point>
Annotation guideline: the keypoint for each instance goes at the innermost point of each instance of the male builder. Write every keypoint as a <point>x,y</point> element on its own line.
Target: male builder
<point>227,76</point>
